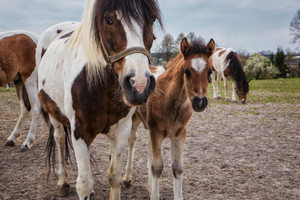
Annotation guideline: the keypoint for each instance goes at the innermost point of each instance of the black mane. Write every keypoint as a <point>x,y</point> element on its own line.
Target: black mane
<point>143,11</point>
<point>236,71</point>
<point>197,46</point>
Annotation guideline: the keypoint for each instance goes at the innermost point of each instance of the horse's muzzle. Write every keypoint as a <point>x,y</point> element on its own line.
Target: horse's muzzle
<point>199,104</point>
<point>134,95</point>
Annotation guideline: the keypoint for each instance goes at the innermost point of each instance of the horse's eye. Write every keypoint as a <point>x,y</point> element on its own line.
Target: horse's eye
<point>188,73</point>
<point>109,21</point>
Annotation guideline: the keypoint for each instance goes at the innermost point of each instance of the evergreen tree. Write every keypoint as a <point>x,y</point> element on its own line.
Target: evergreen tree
<point>279,62</point>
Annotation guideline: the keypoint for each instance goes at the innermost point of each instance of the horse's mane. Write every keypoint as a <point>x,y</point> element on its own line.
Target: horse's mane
<point>234,63</point>
<point>197,46</point>
<point>88,33</point>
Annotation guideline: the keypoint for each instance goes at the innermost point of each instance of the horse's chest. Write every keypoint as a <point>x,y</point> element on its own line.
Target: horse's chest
<point>97,107</point>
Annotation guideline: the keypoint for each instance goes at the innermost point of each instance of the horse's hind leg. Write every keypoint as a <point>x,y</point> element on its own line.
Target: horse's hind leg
<point>24,112</point>
<point>218,85</point>
<point>226,88</point>
<point>177,164</point>
<point>59,137</point>
<point>213,80</point>
<point>131,142</point>
<point>31,88</point>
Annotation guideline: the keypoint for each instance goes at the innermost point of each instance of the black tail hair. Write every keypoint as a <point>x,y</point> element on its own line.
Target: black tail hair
<point>50,149</point>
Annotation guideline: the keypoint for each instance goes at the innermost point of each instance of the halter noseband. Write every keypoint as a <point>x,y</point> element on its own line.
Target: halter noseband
<point>111,59</point>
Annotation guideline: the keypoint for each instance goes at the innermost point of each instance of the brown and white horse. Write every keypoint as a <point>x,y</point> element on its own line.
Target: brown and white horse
<point>90,78</point>
<point>179,90</point>
<point>226,63</point>
<point>17,64</point>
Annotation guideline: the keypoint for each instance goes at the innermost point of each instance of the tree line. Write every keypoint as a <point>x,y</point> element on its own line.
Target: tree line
<point>262,65</point>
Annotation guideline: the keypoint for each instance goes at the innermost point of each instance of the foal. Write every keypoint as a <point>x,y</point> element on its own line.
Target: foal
<point>226,63</point>
<point>17,64</point>
<point>180,90</point>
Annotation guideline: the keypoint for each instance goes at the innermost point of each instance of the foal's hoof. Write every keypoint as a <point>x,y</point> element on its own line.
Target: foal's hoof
<point>64,190</point>
<point>9,143</point>
<point>92,196</point>
<point>126,184</point>
<point>24,148</point>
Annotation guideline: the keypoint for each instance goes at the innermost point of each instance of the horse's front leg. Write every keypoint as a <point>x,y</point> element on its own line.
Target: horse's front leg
<point>155,162</point>
<point>118,135</point>
<point>233,91</point>
<point>177,164</point>
<point>84,185</point>
<point>131,143</point>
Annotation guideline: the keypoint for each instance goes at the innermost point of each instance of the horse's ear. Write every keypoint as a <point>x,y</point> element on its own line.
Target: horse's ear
<point>249,81</point>
<point>211,47</point>
<point>184,46</point>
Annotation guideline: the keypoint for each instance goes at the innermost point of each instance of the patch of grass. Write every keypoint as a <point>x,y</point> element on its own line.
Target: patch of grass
<point>268,91</point>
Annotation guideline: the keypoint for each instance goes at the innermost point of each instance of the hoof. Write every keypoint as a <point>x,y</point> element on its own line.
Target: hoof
<point>63,191</point>
<point>9,143</point>
<point>126,184</point>
<point>92,195</point>
<point>24,148</point>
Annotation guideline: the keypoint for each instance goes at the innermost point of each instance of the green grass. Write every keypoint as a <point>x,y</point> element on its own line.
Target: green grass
<point>268,91</point>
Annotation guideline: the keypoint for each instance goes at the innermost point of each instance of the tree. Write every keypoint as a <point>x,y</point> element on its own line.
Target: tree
<point>168,47</point>
<point>260,66</point>
<point>295,28</point>
<point>279,62</point>
<point>244,55</point>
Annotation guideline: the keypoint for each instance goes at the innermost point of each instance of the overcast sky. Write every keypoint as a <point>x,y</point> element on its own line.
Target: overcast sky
<point>252,25</point>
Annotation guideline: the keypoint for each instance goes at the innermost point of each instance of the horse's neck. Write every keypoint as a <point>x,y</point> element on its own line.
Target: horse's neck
<point>173,81</point>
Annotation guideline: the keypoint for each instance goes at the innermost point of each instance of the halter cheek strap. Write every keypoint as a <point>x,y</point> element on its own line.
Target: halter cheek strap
<point>111,59</point>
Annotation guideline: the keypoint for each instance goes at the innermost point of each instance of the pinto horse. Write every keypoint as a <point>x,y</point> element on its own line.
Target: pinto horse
<point>17,64</point>
<point>90,79</point>
<point>226,63</point>
<point>179,90</point>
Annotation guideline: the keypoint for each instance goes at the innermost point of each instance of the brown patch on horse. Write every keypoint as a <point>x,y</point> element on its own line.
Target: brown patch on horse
<point>221,53</point>
<point>17,54</point>
<point>51,107</point>
<point>98,106</point>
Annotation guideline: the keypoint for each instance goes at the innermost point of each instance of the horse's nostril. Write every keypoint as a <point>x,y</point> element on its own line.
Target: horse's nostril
<point>152,84</point>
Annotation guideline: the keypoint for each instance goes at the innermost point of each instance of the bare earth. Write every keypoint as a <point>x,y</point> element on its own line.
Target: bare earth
<point>233,151</point>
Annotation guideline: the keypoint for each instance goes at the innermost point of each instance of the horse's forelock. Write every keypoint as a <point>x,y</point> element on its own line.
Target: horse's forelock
<point>143,11</point>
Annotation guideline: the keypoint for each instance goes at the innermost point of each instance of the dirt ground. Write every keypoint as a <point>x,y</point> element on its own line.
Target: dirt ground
<point>233,151</point>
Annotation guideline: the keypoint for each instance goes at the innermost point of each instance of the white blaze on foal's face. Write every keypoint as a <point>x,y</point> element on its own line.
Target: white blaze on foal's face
<point>136,63</point>
<point>199,64</point>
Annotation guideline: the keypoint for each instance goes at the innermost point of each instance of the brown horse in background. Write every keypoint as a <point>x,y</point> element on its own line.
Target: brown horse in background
<point>180,89</point>
<point>17,64</point>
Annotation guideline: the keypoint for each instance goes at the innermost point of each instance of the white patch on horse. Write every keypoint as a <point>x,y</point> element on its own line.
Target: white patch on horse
<point>198,64</point>
<point>137,61</point>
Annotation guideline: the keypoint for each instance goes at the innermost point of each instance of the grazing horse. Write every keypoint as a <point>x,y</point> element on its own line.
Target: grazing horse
<point>90,78</point>
<point>179,90</point>
<point>17,64</point>
<point>226,63</point>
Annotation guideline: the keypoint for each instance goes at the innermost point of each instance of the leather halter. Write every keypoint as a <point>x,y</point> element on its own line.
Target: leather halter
<point>111,59</point>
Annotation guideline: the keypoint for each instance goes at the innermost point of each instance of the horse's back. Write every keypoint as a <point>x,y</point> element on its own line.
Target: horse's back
<point>17,50</point>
